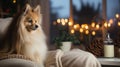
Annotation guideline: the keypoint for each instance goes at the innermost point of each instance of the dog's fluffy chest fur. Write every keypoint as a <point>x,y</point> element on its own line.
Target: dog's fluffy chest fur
<point>33,45</point>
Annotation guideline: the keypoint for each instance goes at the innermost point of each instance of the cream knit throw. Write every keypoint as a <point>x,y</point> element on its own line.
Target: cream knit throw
<point>54,58</point>
<point>73,58</point>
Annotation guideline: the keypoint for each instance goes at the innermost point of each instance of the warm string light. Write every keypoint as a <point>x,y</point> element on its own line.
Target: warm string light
<point>72,31</point>
<point>97,26</point>
<point>109,25</point>
<point>117,15</point>
<point>93,24</point>
<point>93,33</point>
<point>85,27</point>
<point>14,1</point>
<point>118,23</point>
<point>105,24</point>
<point>81,30</point>
<point>58,21</point>
<point>66,20</point>
<point>87,32</point>
<point>70,23</point>
<point>111,21</point>
<point>82,26</point>
<point>76,26</point>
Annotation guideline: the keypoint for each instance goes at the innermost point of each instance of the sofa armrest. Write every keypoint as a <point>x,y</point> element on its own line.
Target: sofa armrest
<point>14,60</point>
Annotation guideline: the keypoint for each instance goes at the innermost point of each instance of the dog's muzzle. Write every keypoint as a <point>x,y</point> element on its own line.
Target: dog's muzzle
<point>34,27</point>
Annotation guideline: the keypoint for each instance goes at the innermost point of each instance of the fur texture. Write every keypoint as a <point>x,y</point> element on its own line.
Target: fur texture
<point>25,35</point>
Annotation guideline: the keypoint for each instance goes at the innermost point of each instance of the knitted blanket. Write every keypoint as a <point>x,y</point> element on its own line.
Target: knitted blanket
<point>73,58</point>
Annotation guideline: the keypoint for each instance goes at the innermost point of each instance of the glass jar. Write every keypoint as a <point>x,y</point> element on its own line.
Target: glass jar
<point>108,47</point>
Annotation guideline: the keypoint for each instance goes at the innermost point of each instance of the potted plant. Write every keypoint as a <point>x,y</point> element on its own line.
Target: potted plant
<point>65,39</point>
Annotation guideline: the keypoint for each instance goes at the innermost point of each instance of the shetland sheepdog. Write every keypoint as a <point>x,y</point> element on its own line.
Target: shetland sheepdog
<point>25,35</point>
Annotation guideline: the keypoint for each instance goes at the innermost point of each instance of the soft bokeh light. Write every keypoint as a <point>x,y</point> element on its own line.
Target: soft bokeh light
<point>62,20</point>
<point>63,23</point>
<point>86,27</point>
<point>82,25</point>
<point>87,32</point>
<point>81,30</point>
<point>14,1</point>
<point>119,23</point>
<point>105,24</point>
<point>66,20</point>
<point>58,20</point>
<point>97,26</point>
<point>111,21</point>
<point>93,33</point>
<point>93,24</point>
<point>117,15</point>
<point>109,25</point>
<point>72,31</point>
<point>75,26</point>
<point>70,23</point>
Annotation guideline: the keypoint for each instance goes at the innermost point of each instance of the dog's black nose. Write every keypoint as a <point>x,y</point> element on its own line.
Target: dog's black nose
<point>34,27</point>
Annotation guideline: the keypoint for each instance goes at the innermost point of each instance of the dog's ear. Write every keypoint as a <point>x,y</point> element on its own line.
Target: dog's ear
<point>37,9</point>
<point>27,8</point>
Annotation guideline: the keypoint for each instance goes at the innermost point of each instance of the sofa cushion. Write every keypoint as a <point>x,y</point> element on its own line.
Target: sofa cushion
<point>4,23</point>
<point>15,62</point>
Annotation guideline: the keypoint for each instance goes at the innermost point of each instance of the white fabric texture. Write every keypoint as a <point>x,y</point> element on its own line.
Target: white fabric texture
<point>54,59</point>
<point>79,58</point>
<point>73,58</point>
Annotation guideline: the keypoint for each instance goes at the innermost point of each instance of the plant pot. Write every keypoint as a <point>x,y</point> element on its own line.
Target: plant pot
<point>66,46</point>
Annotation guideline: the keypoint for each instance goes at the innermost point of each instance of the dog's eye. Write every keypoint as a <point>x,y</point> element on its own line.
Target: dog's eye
<point>30,20</point>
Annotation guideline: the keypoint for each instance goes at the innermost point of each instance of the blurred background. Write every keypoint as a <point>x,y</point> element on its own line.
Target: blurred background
<point>86,21</point>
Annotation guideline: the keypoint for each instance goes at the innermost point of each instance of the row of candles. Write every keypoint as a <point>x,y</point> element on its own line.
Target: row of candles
<point>86,28</point>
